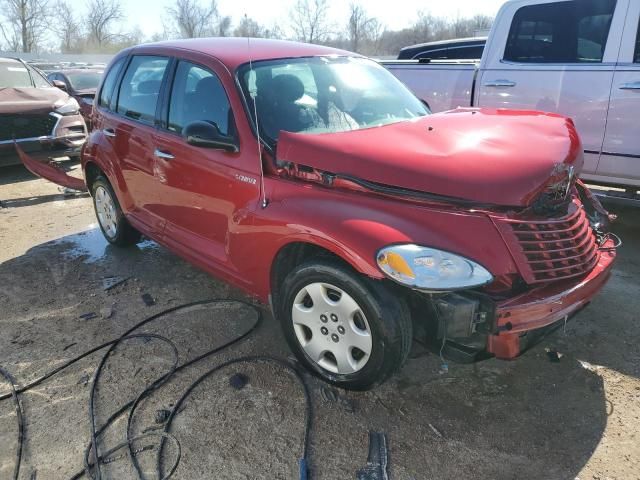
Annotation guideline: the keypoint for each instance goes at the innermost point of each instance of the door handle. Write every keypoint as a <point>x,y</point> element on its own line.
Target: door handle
<point>500,83</point>
<point>630,86</point>
<point>164,155</point>
<point>109,132</point>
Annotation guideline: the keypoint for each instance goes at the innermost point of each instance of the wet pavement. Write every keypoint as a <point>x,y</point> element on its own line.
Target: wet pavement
<point>530,418</point>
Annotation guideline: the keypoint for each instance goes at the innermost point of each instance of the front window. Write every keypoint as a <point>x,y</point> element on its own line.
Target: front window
<point>325,95</point>
<point>84,80</point>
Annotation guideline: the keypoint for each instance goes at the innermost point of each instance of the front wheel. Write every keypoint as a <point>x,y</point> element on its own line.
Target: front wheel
<point>348,330</point>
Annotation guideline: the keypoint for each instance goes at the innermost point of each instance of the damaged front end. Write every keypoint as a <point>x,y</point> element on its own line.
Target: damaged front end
<point>563,262</point>
<point>40,120</point>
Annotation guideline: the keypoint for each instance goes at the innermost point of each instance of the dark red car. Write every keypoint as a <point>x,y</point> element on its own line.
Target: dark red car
<point>81,84</point>
<point>313,179</point>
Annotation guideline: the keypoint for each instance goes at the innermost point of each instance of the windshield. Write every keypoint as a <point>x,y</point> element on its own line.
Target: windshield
<point>325,95</point>
<point>84,80</point>
<point>14,75</point>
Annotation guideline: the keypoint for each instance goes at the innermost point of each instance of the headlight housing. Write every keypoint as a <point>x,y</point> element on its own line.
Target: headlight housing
<point>68,107</point>
<point>430,269</point>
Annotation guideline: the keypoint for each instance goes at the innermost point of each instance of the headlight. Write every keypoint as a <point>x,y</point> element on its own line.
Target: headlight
<point>68,108</point>
<point>431,269</point>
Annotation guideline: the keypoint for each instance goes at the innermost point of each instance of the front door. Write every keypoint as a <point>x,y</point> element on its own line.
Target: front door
<point>620,160</point>
<point>203,190</point>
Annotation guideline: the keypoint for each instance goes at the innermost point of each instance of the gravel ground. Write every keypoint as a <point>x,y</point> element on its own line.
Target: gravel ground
<point>526,419</point>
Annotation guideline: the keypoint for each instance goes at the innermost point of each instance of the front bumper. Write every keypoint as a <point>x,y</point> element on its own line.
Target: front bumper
<point>541,307</point>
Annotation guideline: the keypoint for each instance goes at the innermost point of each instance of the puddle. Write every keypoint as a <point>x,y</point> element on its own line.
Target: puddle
<point>92,246</point>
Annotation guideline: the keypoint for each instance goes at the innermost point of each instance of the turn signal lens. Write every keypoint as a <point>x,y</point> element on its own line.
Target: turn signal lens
<point>396,264</point>
<point>431,269</point>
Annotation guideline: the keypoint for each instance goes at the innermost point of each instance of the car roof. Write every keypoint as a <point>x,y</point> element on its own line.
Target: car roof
<point>235,51</point>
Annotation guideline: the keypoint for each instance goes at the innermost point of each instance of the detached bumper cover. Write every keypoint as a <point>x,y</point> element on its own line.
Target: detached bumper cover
<point>40,164</point>
<point>545,305</point>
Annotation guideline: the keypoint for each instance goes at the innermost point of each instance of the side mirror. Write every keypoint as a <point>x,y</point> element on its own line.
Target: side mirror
<point>208,135</point>
<point>60,84</point>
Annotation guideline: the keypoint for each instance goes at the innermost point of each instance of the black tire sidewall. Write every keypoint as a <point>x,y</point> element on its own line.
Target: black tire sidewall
<point>379,307</point>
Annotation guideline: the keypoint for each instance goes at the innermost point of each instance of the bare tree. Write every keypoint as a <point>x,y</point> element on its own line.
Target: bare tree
<point>66,26</point>
<point>363,31</point>
<point>192,19</point>
<point>101,15</point>
<point>481,22</point>
<point>222,27</point>
<point>25,23</point>
<point>248,27</point>
<point>309,20</point>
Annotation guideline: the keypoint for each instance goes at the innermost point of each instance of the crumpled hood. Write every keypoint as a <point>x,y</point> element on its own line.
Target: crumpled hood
<point>30,100</point>
<point>501,157</point>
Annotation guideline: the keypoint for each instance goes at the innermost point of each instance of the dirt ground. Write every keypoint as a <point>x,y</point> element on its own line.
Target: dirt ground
<point>526,419</point>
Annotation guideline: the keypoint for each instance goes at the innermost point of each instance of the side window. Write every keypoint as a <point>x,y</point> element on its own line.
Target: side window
<point>197,94</point>
<point>109,83</point>
<point>563,32</point>
<point>140,88</point>
<point>637,55</point>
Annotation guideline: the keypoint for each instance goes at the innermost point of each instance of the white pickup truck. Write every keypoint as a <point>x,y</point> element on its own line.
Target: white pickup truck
<point>580,58</point>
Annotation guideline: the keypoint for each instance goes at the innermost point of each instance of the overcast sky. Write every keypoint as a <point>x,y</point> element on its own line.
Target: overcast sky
<point>395,14</point>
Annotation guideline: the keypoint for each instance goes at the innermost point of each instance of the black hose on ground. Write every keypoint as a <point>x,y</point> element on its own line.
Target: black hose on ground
<point>20,416</point>
<point>131,406</point>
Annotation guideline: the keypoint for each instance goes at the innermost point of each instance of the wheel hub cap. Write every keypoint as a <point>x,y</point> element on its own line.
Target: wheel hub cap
<point>106,211</point>
<point>331,328</point>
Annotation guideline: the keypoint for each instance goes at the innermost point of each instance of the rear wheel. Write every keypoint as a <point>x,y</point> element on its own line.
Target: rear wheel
<point>345,328</point>
<point>114,225</point>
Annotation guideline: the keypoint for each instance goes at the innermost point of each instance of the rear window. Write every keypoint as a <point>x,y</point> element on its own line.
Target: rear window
<point>140,88</point>
<point>563,32</point>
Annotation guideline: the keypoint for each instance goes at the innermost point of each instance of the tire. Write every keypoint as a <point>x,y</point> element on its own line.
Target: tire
<point>114,225</point>
<point>327,331</point>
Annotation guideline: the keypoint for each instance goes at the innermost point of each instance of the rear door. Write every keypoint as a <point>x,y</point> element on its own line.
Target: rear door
<point>620,159</point>
<point>132,131</point>
<point>556,56</point>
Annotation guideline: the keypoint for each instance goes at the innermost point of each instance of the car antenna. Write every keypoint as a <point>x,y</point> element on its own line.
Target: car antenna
<point>265,202</point>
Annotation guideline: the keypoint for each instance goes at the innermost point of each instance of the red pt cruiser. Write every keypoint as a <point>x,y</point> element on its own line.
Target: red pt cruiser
<point>313,179</point>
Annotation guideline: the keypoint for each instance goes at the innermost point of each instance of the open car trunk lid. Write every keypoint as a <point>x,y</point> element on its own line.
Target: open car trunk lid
<point>500,157</point>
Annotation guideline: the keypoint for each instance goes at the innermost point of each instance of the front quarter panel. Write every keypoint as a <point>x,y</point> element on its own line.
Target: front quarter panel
<point>355,225</point>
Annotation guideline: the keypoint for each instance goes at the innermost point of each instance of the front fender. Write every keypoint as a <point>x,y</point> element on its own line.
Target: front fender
<point>355,226</point>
